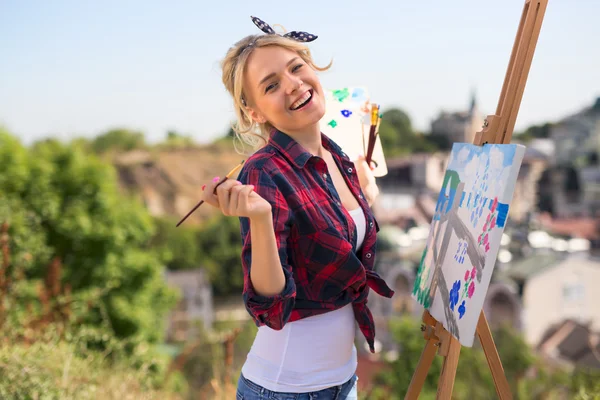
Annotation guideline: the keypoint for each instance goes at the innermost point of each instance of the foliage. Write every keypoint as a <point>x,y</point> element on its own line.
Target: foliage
<point>535,132</point>
<point>210,365</point>
<point>55,368</point>
<point>177,247</point>
<point>220,247</point>
<point>64,206</point>
<point>118,140</point>
<point>48,351</point>
<point>215,246</point>
<point>528,376</point>
<point>176,140</point>
<point>398,136</point>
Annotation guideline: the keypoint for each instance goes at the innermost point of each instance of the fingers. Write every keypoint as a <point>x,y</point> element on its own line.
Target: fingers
<point>208,192</point>
<point>234,199</point>
<point>243,201</point>
<point>224,195</point>
<point>238,199</point>
<point>231,197</point>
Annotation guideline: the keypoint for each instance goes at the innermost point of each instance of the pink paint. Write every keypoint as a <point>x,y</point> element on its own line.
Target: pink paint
<point>471,289</point>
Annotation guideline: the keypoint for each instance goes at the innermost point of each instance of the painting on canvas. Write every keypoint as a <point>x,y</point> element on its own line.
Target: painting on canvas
<point>464,239</point>
<point>347,121</point>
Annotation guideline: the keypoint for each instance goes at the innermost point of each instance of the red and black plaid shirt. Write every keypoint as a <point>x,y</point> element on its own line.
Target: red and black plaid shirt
<point>316,237</point>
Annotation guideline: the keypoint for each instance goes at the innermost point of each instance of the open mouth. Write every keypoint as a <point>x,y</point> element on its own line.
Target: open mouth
<point>302,101</point>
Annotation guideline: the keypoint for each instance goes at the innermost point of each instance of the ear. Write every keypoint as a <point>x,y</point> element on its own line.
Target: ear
<point>256,115</point>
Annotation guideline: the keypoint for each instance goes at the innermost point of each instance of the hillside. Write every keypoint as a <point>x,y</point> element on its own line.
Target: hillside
<point>169,181</point>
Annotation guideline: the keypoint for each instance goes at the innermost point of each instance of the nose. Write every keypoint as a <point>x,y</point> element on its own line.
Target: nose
<point>294,84</point>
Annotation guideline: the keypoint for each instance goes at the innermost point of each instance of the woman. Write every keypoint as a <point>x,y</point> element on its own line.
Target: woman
<point>307,228</point>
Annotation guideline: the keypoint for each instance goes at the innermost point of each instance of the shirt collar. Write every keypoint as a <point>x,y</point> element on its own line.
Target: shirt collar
<point>297,154</point>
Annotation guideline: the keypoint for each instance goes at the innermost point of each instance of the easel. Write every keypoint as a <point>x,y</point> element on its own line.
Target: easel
<point>497,128</point>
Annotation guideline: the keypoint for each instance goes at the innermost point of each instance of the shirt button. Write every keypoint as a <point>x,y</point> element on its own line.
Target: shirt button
<point>360,196</point>
<point>350,170</point>
<point>338,203</point>
<point>368,255</point>
<point>325,176</point>
<point>371,224</point>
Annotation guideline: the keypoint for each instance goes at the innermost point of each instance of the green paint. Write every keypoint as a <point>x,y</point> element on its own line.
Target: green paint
<point>332,123</point>
<point>422,276</point>
<point>453,177</point>
<point>341,95</point>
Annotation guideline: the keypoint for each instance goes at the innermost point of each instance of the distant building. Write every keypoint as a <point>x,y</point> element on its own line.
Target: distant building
<point>195,307</point>
<point>410,188</point>
<point>577,136</point>
<point>458,127</point>
<point>525,197</point>
<point>590,177</point>
<point>555,287</point>
<point>571,343</point>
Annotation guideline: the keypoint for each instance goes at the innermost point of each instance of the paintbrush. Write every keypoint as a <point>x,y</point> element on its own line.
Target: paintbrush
<point>229,175</point>
<point>372,133</point>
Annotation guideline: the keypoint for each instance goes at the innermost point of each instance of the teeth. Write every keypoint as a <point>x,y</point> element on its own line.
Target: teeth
<point>300,101</point>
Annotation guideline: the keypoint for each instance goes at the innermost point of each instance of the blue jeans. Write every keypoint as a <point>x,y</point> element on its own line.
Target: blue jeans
<point>248,390</point>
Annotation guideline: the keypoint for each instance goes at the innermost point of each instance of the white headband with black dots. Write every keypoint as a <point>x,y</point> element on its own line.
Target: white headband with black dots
<point>295,35</point>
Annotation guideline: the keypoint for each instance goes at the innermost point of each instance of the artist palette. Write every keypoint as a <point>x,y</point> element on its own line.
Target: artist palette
<point>347,121</point>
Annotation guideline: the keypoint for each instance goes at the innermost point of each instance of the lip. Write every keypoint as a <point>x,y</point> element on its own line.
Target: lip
<point>312,93</point>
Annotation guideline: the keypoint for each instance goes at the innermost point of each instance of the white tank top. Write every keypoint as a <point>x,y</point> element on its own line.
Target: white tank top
<point>310,354</point>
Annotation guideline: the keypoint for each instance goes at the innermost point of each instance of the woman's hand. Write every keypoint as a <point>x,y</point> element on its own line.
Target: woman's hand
<point>367,179</point>
<point>235,199</point>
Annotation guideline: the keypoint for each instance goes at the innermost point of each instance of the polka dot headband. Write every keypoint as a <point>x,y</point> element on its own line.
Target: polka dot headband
<point>295,35</point>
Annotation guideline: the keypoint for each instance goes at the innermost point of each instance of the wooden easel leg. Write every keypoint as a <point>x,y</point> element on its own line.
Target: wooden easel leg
<point>446,383</point>
<point>493,359</point>
<point>420,374</point>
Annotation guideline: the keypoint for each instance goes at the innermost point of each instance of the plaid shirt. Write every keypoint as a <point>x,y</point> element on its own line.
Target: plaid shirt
<point>316,237</point>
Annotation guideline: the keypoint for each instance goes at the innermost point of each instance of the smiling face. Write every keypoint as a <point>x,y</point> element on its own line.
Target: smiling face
<point>282,89</point>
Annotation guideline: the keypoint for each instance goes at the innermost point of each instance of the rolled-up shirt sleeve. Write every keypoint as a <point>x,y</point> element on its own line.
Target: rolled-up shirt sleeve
<point>273,311</point>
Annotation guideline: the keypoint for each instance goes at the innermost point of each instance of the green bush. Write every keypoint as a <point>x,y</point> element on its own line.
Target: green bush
<point>54,368</point>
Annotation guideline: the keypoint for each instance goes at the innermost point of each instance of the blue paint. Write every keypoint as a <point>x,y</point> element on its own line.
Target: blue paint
<point>358,94</point>
<point>441,198</point>
<point>346,113</point>
<point>502,214</point>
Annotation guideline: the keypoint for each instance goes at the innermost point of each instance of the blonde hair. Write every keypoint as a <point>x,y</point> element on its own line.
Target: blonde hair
<point>233,66</point>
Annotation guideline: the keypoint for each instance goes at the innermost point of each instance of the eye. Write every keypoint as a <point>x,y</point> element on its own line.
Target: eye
<point>270,87</point>
<point>297,67</point>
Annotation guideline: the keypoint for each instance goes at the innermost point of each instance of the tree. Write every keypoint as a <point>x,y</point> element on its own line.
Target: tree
<point>220,248</point>
<point>398,136</point>
<point>542,131</point>
<point>178,247</point>
<point>395,130</point>
<point>178,140</point>
<point>119,140</point>
<point>214,246</point>
<point>65,204</point>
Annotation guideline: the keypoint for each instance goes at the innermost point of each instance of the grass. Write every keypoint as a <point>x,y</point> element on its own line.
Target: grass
<point>60,370</point>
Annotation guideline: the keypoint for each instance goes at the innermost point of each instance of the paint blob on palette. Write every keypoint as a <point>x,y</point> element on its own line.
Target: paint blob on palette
<point>464,239</point>
<point>347,121</point>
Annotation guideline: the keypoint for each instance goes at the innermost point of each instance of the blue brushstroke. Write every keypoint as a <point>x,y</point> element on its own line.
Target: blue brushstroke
<point>502,214</point>
<point>358,94</point>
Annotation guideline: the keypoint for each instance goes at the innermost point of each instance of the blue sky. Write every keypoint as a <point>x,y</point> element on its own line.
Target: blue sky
<point>80,67</point>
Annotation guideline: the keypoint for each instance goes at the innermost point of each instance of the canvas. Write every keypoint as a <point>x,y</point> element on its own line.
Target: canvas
<point>471,212</point>
<point>347,121</point>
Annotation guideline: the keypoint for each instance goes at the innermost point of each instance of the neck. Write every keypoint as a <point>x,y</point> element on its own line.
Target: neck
<point>310,139</point>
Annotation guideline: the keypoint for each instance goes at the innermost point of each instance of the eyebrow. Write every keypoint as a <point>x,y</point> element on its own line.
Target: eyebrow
<point>272,74</point>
